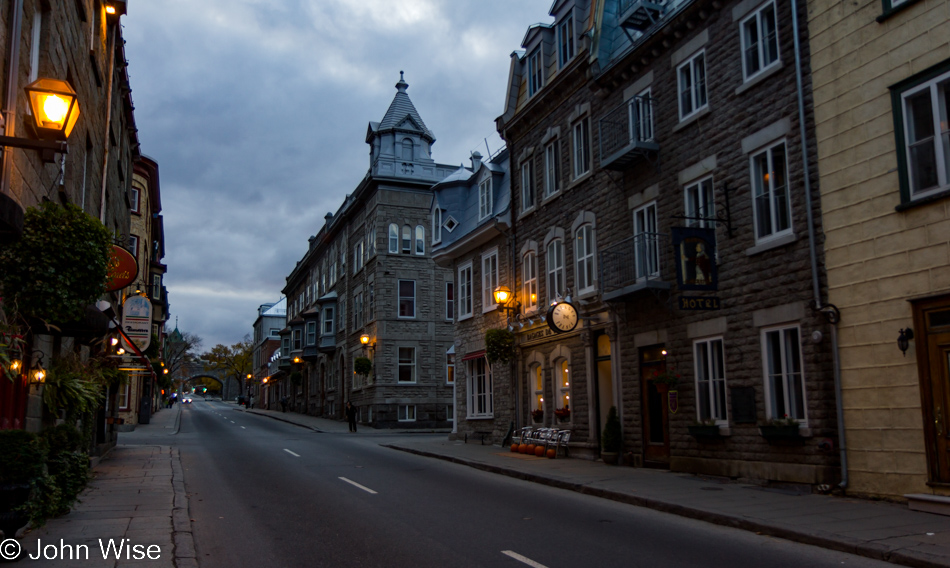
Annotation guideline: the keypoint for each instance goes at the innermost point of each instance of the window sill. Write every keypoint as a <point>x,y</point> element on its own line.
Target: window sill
<point>691,119</point>
<point>775,68</point>
<point>771,244</point>
<point>584,295</point>
<point>410,383</point>
<point>552,197</point>
<point>526,212</point>
<point>465,317</point>
<point>923,200</point>
<point>887,14</point>
<point>580,180</point>
<point>489,417</point>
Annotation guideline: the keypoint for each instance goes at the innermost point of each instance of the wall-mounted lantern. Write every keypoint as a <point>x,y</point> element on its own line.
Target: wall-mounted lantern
<point>903,340</point>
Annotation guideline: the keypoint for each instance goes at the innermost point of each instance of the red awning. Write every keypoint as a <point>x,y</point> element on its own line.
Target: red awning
<point>475,355</point>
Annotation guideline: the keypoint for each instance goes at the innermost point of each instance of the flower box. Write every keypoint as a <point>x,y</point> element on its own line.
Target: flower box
<point>704,431</point>
<point>563,414</point>
<point>780,432</point>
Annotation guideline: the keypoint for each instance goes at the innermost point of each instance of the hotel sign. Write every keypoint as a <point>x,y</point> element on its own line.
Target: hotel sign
<point>695,252</point>
<point>695,303</point>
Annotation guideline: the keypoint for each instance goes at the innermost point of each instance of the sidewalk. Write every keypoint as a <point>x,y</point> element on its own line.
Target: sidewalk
<point>137,494</point>
<point>884,531</point>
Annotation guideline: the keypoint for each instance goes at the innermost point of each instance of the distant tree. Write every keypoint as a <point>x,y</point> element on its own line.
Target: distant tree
<point>234,361</point>
<point>180,350</point>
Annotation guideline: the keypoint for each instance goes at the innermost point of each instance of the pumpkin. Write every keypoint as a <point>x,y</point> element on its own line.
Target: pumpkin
<point>522,448</point>
<point>539,451</point>
<point>514,447</point>
<point>551,453</point>
<point>530,449</point>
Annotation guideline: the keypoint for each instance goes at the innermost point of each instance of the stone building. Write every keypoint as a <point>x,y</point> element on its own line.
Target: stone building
<point>79,42</point>
<point>663,191</point>
<point>881,84</point>
<point>471,225</point>
<point>369,271</point>
<point>271,319</point>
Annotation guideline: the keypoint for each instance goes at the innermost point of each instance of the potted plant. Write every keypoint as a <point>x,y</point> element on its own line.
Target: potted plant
<point>706,428</point>
<point>563,414</point>
<point>362,366</point>
<point>778,429</point>
<point>499,345</point>
<point>611,441</point>
<point>666,379</point>
<point>537,415</point>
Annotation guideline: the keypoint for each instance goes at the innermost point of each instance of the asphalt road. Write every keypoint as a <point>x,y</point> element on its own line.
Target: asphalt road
<point>267,493</point>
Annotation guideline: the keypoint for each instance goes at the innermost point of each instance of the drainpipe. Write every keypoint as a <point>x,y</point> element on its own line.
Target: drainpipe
<point>9,107</point>
<point>830,311</point>
<point>105,142</point>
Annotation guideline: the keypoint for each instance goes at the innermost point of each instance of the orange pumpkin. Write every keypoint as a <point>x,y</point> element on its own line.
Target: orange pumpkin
<point>514,447</point>
<point>530,449</point>
<point>522,448</point>
<point>551,453</point>
<point>539,451</point>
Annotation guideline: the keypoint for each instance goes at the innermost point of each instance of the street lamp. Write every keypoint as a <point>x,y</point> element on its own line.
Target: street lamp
<point>55,110</point>
<point>505,300</point>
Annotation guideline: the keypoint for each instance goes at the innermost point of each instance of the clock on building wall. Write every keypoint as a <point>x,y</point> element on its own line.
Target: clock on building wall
<point>562,317</point>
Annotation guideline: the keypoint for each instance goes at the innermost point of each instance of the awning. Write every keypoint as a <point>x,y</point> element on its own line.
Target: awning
<point>475,355</point>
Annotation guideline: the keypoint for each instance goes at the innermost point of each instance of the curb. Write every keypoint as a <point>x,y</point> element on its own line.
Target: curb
<point>177,421</point>
<point>841,544</point>
<point>182,534</point>
<point>280,419</point>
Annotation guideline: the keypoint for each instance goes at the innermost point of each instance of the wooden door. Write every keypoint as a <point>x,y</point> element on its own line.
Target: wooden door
<point>932,320</point>
<point>655,409</point>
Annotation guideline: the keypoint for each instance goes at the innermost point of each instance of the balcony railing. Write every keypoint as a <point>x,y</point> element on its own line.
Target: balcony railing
<point>626,134</point>
<point>632,265</point>
<point>640,14</point>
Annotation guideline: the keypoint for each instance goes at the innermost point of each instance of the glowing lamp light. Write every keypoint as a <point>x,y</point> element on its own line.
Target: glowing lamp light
<point>15,366</point>
<point>54,107</point>
<point>38,376</point>
<point>265,379</point>
<point>120,351</point>
<point>165,371</point>
<point>115,341</point>
<point>110,9</point>
<point>248,375</point>
<point>297,359</point>
<point>364,339</point>
<point>502,295</point>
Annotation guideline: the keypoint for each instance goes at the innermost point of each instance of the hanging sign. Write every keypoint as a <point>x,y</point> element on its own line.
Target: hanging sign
<point>137,320</point>
<point>123,269</point>
<point>674,399</point>
<point>698,302</point>
<point>695,251</point>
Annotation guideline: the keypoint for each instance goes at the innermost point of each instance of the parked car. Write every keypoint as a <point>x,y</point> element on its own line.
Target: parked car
<point>186,399</point>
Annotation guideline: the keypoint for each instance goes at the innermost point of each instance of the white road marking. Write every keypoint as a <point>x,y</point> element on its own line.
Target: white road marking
<point>243,428</point>
<point>355,484</point>
<point>522,559</point>
<point>291,453</point>
<point>232,422</point>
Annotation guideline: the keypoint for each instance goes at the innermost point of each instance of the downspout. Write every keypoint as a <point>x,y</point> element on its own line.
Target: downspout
<point>830,311</point>
<point>9,107</point>
<point>105,142</point>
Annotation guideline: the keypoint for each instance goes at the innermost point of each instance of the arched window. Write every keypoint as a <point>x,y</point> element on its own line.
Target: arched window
<point>420,240</point>
<point>407,149</point>
<point>563,390</point>
<point>584,255</point>
<point>393,238</point>
<point>555,266</point>
<point>537,375</point>
<point>406,239</point>
<point>530,280</point>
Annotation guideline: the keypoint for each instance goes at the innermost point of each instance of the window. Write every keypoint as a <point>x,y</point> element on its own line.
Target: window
<point>552,168</point>
<point>924,137</point>
<point>563,388</point>
<point>359,256</point>
<point>134,246</point>
<point>527,186</point>
<point>770,189</point>
<point>122,401</point>
<point>759,41</point>
<point>341,309</point>
<point>489,280</point>
<point>484,199</point>
<point>530,281</point>
<point>420,240</point>
<point>641,117</point>
<point>555,263</point>
<point>692,85</point>
<point>436,225</point>
<point>465,291</point>
<point>274,332</point>
<point>710,380</point>
<point>298,345</point>
<point>784,381</point>
<point>407,149</point>
<point>406,239</point>
<point>35,45</point>
<point>565,41</point>
<point>449,301</point>
<point>646,245</point>
<point>407,413</point>
<point>450,224</point>
<point>450,412</point>
<point>535,72</point>
<point>311,333</point>
<point>393,238</point>
<point>328,319</point>
<point>407,365</point>
<point>358,310</point>
<point>584,254</point>
<point>156,286</point>
<point>135,199</point>
<point>700,207</point>
<point>480,403</point>
<point>538,374</point>
<point>371,301</point>
<point>582,147</point>
<point>450,366</point>
<point>407,298</point>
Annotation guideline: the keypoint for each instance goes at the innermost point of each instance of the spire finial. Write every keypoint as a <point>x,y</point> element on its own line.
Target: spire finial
<point>402,85</point>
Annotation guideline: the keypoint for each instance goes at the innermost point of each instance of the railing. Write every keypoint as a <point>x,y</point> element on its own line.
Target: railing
<point>640,14</point>
<point>627,131</point>
<point>632,261</point>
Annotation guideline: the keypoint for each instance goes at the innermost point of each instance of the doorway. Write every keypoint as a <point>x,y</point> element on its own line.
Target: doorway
<point>932,324</point>
<point>605,382</point>
<point>655,410</point>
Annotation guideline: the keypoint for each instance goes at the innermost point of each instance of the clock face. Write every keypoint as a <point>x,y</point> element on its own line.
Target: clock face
<point>562,317</point>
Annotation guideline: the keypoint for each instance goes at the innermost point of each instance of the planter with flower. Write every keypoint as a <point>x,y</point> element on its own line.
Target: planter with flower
<point>563,414</point>
<point>704,429</point>
<point>665,380</point>
<point>537,415</point>
<point>781,429</point>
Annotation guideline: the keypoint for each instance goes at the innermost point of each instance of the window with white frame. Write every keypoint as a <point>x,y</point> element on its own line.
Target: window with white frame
<point>406,239</point>
<point>311,333</point>
<point>759,41</point>
<point>407,413</point>
<point>784,379</point>
<point>710,380</point>
<point>134,246</point>
<point>329,317</point>
<point>646,246</point>
<point>565,41</point>
<point>552,168</point>
<point>298,339</point>
<point>406,372</point>
<point>581,147</point>
<point>450,366</point>
<point>393,238</point>
<point>700,207</point>
<point>420,240</point>
<point>530,281</point>
<point>480,400</point>
<point>484,199</point>
<point>537,374</point>
<point>358,310</point>
<point>555,267</point>
<point>527,186</point>
<point>156,286</point>
<point>358,256</point>
<point>449,301</point>
<point>489,279</point>
<point>771,201</point>
<point>135,199</point>
<point>122,400</point>
<point>691,76</point>
<point>923,134</point>
<point>535,72</point>
<point>641,117</point>
<point>584,252</point>
<point>450,412</point>
<point>563,385</point>
<point>371,302</point>
<point>436,225</point>
<point>341,310</point>
<point>465,290</point>
<point>407,298</point>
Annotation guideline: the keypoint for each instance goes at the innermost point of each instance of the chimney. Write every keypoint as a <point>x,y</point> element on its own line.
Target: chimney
<point>476,161</point>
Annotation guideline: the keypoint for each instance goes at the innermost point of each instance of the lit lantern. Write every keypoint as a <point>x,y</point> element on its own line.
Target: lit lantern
<point>54,107</point>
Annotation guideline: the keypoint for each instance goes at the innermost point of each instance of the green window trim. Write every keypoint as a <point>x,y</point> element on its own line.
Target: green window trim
<point>889,9</point>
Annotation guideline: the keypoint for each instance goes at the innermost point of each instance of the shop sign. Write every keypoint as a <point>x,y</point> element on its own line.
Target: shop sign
<point>674,400</point>
<point>694,303</point>
<point>695,251</point>
<point>123,269</point>
<point>137,321</point>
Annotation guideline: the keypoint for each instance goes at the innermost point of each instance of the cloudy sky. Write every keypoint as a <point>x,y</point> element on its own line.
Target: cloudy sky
<point>256,112</point>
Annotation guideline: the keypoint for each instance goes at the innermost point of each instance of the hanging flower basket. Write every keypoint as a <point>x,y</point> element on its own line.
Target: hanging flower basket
<point>563,414</point>
<point>666,380</point>
<point>537,415</point>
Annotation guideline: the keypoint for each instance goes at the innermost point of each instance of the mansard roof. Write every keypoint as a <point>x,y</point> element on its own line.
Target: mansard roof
<point>401,110</point>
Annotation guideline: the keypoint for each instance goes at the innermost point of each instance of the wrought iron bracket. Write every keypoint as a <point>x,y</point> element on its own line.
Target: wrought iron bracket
<point>723,214</point>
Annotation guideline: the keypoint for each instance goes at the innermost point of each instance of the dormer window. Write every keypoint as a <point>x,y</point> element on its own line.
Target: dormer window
<point>535,72</point>
<point>484,199</point>
<point>565,41</point>
<point>407,149</point>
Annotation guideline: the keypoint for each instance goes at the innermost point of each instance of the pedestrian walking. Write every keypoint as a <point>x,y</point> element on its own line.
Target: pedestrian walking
<point>351,415</point>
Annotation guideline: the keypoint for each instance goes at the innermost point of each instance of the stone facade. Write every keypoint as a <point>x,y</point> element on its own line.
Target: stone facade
<point>888,236</point>
<point>675,161</point>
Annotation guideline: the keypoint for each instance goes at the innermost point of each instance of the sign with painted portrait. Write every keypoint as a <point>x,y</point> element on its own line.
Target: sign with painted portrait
<point>695,253</point>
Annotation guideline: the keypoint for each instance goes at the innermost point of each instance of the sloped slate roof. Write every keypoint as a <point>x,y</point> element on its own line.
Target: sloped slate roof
<point>401,108</point>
